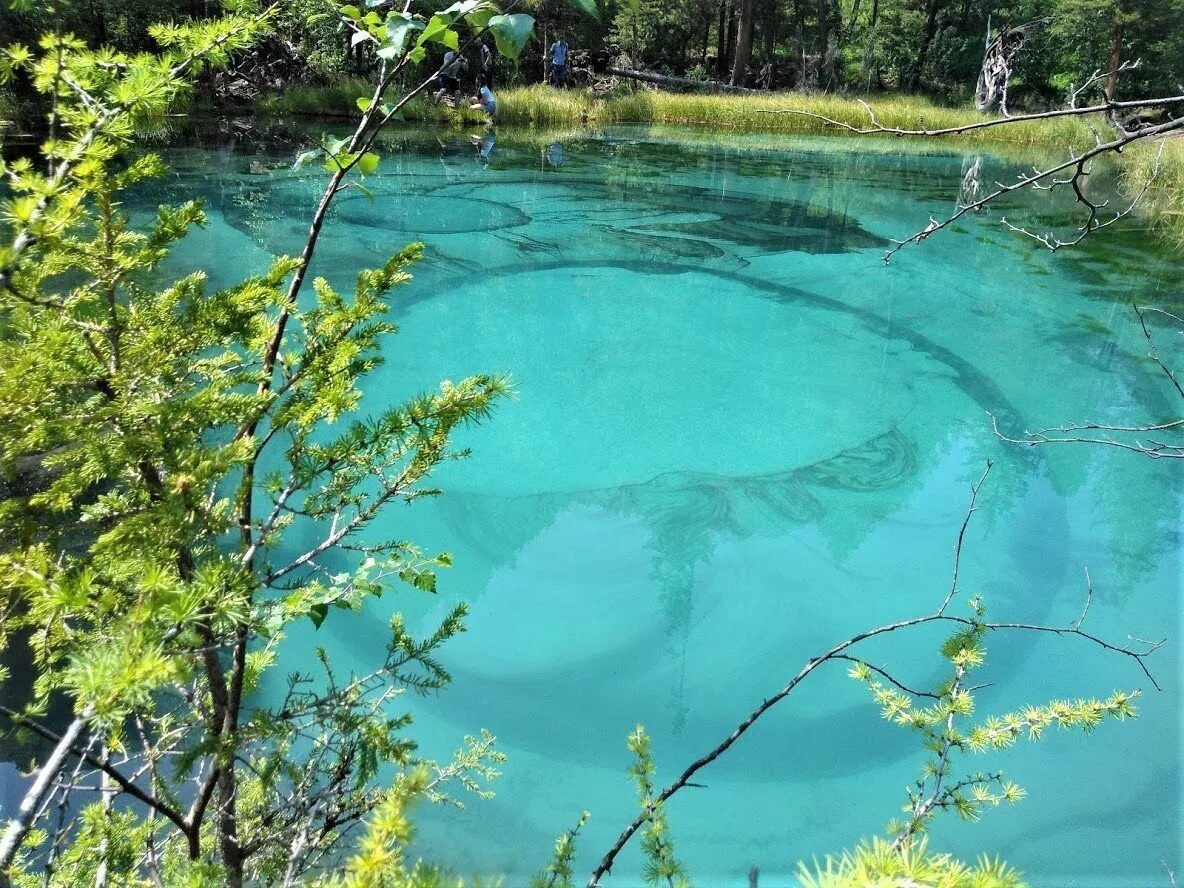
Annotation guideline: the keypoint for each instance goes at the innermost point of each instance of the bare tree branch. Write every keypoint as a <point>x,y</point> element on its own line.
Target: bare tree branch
<point>37,795</point>
<point>876,128</point>
<point>1077,161</point>
<point>838,651</point>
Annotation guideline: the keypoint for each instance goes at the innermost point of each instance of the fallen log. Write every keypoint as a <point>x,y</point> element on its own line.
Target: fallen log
<point>681,82</point>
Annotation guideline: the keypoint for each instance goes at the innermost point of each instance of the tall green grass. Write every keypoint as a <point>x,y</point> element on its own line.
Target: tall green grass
<point>543,106</point>
<point>1162,173</point>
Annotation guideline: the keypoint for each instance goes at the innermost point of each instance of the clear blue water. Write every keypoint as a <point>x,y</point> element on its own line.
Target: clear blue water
<point>737,438</point>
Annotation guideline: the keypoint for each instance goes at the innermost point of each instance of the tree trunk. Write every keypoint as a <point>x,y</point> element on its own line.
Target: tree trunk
<point>823,40</point>
<point>730,42</point>
<point>743,44</point>
<point>1115,59</point>
<point>680,82</point>
<point>799,36</point>
<point>721,40</point>
<point>991,91</point>
<point>932,9</point>
<point>769,38</point>
<point>870,45</point>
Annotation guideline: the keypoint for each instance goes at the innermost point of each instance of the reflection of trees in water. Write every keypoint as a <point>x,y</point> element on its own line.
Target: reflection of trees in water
<point>685,515</point>
<point>687,512</point>
<point>610,209</point>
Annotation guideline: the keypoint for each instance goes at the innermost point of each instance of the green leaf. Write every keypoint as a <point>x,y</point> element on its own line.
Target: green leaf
<point>588,6</point>
<point>511,32</point>
<point>368,163</point>
<point>476,13</point>
<point>439,30</point>
<point>306,157</point>
<point>399,27</point>
<point>317,614</point>
<point>463,8</point>
<point>340,161</point>
<point>420,578</point>
<point>351,12</point>
<point>364,103</point>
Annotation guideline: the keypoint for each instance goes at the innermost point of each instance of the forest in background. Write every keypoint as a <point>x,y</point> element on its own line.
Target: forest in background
<point>141,414</point>
<point>929,47</point>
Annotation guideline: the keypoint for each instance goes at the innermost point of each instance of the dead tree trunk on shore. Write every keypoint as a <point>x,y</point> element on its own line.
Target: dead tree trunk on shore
<point>991,92</point>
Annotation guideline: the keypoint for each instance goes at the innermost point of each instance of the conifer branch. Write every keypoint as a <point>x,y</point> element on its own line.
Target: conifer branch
<point>838,651</point>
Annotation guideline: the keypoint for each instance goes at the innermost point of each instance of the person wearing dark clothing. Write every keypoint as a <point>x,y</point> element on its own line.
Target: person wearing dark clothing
<point>451,73</point>
<point>486,65</point>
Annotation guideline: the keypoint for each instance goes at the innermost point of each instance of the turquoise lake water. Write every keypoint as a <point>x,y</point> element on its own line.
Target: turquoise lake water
<point>738,437</point>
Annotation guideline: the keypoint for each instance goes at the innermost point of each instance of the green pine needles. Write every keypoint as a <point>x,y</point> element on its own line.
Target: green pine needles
<point>945,731</point>
<point>948,728</point>
<point>159,442</point>
<point>560,871</point>
<point>662,868</point>
<point>881,864</point>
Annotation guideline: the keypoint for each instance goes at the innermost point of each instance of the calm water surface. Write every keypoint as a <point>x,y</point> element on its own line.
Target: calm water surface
<point>739,437</point>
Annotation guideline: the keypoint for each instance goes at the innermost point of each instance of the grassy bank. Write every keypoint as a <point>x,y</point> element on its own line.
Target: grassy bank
<point>717,118</point>
<point>543,106</point>
<point>1164,202</point>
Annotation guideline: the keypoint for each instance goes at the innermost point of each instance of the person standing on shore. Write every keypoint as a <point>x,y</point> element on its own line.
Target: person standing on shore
<point>450,76</point>
<point>486,65</point>
<point>558,58</point>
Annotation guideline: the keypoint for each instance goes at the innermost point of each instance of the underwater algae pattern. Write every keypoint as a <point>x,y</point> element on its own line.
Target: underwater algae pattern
<point>738,437</point>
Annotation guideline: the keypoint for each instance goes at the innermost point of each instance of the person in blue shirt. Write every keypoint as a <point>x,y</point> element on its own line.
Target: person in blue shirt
<point>558,59</point>
<point>485,101</point>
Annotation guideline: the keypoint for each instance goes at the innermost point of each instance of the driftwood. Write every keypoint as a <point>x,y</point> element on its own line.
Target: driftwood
<point>681,82</point>
<point>991,92</point>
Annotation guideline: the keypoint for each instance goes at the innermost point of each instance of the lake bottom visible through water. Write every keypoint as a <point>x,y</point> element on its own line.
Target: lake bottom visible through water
<point>737,438</point>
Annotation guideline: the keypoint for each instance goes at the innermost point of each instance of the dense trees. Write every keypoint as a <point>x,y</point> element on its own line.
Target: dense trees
<point>931,46</point>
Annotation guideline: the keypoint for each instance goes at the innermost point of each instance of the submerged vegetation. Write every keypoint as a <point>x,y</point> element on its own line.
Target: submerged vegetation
<point>190,473</point>
<point>543,114</point>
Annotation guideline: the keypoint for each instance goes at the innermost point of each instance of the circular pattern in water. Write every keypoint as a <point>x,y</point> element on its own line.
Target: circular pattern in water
<point>418,214</point>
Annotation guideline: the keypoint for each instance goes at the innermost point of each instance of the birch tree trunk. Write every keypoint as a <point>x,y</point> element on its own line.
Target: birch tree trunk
<point>35,798</point>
